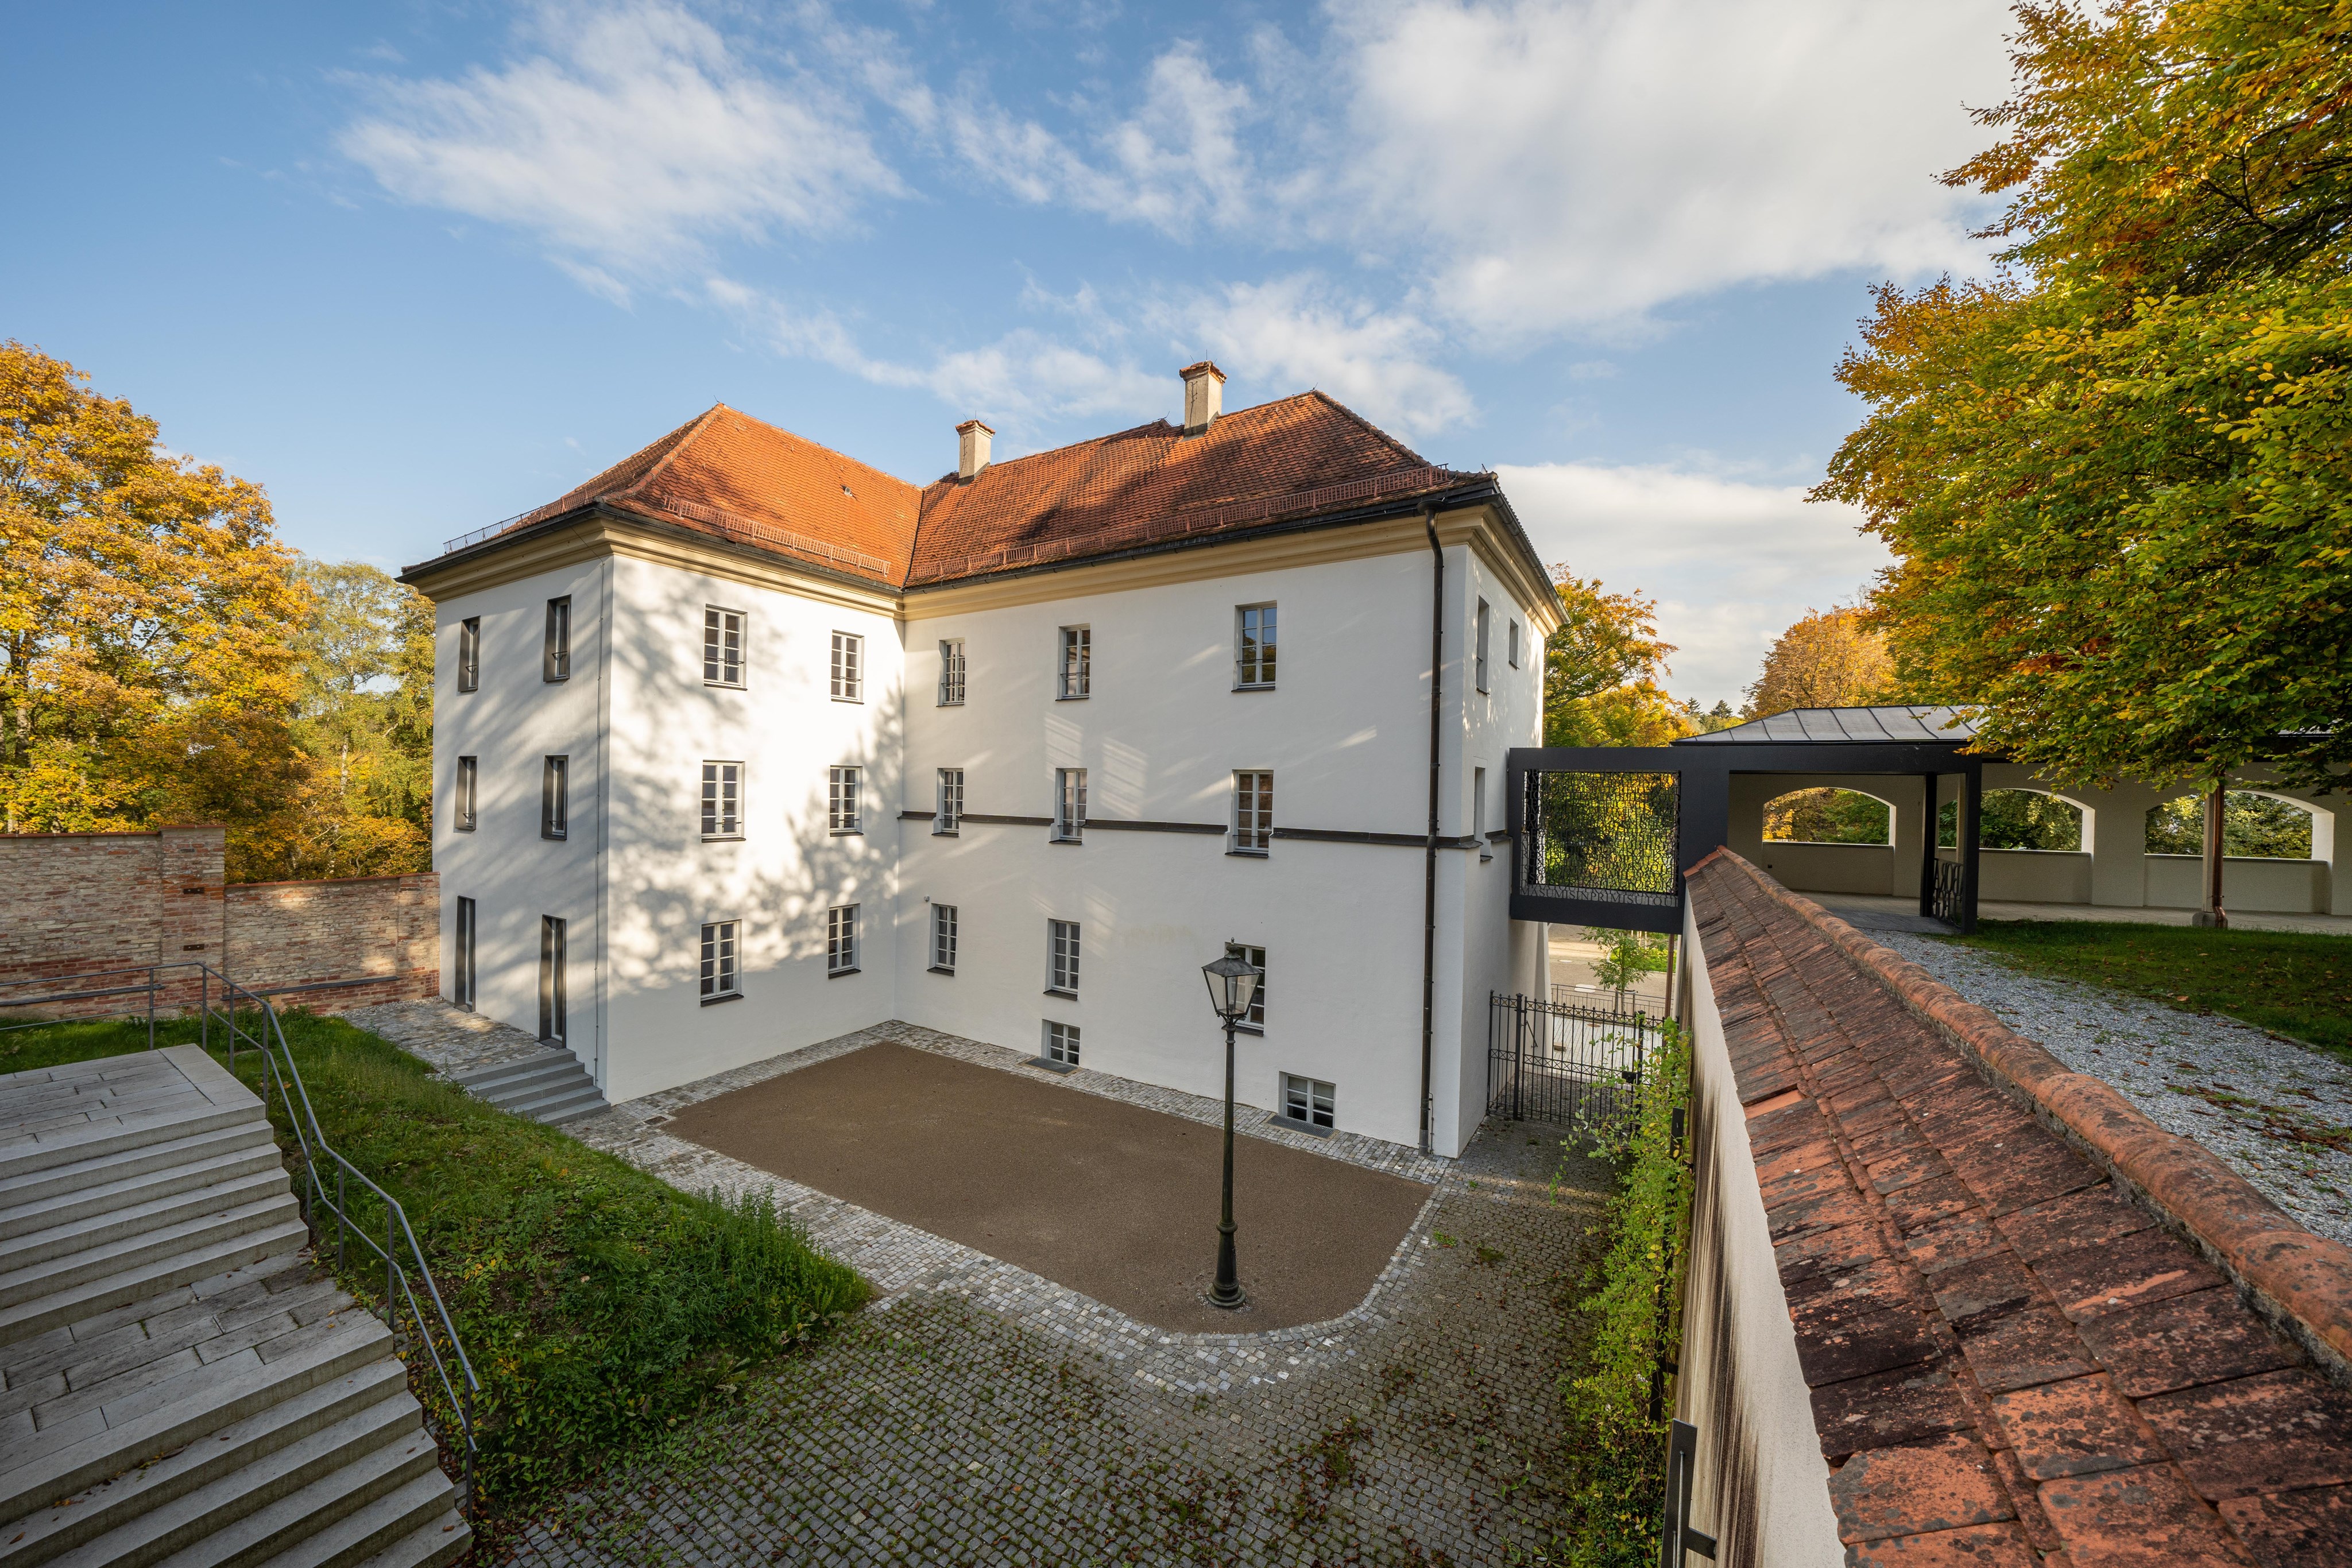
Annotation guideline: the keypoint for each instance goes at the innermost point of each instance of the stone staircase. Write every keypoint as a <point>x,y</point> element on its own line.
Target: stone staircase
<point>178,1385</point>
<point>551,1086</point>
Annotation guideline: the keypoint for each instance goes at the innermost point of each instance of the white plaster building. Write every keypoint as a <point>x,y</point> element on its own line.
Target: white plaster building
<point>742,745</point>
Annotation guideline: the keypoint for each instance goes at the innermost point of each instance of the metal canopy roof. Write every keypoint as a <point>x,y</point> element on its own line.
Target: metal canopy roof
<point>1876,726</point>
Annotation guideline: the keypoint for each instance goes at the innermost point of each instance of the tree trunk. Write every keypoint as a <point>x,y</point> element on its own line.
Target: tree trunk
<point>2212,913</point>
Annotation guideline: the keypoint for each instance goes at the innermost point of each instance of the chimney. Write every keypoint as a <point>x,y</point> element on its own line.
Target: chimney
<point>972,449</point>
<point>1204,395</point>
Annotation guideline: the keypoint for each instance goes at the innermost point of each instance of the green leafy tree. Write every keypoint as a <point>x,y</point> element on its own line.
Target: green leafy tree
<point>2251,825</point>
<point>2016,819</point>
<point>1828,817</point>
<point>1601,670</point>
<point>2118,478</point>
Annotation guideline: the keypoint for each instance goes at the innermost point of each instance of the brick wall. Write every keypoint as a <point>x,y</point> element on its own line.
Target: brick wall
<point>81,902</point>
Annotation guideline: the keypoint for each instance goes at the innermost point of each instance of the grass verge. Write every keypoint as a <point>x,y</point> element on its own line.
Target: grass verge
<point>599,1306</point>
<point>2293,983</point>
<point>1635,1325</point>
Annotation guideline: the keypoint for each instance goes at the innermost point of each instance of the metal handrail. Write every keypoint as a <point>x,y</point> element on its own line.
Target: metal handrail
<point>281,1071</point>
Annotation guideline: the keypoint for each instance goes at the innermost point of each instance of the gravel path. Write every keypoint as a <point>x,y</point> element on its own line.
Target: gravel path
<point>2279,1113</point>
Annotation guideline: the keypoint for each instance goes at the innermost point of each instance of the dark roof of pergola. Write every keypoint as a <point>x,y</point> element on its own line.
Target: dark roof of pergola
<point>1848,726</point>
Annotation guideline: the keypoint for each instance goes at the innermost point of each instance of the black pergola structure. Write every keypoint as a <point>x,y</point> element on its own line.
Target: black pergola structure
<point>1601,835</point>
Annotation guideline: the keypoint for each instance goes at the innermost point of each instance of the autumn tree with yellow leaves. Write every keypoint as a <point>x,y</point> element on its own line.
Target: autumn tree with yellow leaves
<point>1831,658</point>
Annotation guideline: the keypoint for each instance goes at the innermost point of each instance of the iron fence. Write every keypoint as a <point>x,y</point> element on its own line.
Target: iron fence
<point>1560,1063</point>
<point>1606,835</point>
<point>1946,898</point>
<point>247,1016</point>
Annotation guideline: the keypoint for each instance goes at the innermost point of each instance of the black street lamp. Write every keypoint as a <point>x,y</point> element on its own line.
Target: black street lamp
<point>1232,985</point>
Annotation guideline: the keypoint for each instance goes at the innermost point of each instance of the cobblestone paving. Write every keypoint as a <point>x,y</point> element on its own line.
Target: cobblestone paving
<point>2279,1112</point>
<point>934,1429</point>
<point>454,1040</point>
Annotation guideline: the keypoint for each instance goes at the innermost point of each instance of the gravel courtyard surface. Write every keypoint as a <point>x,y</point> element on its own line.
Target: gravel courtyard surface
<point>2281,1113</point>
<point>932,1429</point>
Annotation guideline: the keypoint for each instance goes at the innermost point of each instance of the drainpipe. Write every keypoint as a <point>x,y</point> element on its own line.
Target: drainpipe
<point>1429,854</point>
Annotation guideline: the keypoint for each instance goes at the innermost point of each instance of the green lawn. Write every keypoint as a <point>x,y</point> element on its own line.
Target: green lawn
<point>2292,983</point>
<point>599,1306</point>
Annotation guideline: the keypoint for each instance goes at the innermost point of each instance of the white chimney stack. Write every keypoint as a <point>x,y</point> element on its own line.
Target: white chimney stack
<point>972,449</point>
<point>1204,396</point>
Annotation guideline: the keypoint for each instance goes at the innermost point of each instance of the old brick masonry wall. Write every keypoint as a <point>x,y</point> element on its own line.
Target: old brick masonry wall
<point>73,903</point>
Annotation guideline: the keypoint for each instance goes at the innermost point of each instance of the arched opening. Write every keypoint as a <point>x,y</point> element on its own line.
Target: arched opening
<point>1828,817</point>
<point>2017,819</point>
<point>2254,826</point>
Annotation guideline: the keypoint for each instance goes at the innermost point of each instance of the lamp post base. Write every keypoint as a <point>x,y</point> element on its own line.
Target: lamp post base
<point>1240,1299</point>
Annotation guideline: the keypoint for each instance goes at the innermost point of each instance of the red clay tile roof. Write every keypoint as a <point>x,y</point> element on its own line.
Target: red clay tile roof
<point>2007,1355</point>
<point>728,474</point>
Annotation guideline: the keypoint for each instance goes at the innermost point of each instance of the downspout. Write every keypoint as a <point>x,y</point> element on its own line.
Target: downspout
<point>1429,854</point>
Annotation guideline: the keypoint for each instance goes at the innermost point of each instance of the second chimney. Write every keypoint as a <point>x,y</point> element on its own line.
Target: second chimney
<point>1204,396</point>
<point>972,449</point>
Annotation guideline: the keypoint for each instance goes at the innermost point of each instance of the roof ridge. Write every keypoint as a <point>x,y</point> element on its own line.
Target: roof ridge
<point>1319,392</point>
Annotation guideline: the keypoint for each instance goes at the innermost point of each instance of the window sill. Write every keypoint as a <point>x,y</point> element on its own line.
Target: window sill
<point>940,969</point>
<point>1050,1065</point>
<point>729,997</point>
<point>1074,697</point>
<point>1067,995</point>
<point>958,702</point>
<point>551,838</point>
<point>722,838</point>
<point>839,974</point>
<point>1486,855</point>
<point>848,833</point>
<point>947,833</point>
<point>1254,686</point>
<point>1248,854</point>
<point>1058,839</point>
<point>859,700</point>
<point>722,686</point>
<point>553,680</point>
<point>1292,1125</point>
<point>1256,1028</point>
<point>461,827</point>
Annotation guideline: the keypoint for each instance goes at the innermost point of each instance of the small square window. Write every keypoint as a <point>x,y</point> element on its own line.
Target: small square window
<point>469,653</point>
<point>722,800</point>
<point>558,658</point>
<point>1076,672</point>
<point>949,816</point>
<point>1062,957</point>
<point>841,794</point>
<point>1061,1044</point>
<point>721,977</point>
<point>841,940</point>
<point>1253,813</point>
<point>944,938</point>
<point>1307,1102</point>
<point>1069,805</point>
<point>1253,647</point>
<point>1255,958</point>
<point>722,647</point>
<point>848,667</point>
<point>951,672</point>
<point>461,809</point>
<point>554,798</point>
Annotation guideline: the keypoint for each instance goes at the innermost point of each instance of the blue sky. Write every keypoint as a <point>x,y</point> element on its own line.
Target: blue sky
<point>417,268</point>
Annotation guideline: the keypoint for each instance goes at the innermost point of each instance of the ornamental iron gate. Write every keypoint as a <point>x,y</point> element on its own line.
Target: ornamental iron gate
<point>1599,847</point>
<point>1558,1062</point>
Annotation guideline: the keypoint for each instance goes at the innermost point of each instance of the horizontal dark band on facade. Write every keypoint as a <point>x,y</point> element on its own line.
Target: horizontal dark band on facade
<point>1002,821</point>
<point>1130,825</point>
<point>1218,829</point>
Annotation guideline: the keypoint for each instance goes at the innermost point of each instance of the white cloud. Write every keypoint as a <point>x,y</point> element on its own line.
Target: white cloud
<point>1297,331</point>
<point>632,137</point>
<point>1731,564</point>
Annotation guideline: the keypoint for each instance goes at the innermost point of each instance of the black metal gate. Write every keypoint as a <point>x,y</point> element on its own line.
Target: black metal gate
<point>1557,1061</point>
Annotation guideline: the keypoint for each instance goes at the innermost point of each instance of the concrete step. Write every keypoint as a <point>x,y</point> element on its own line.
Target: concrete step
<point>39,1314</point>
<point>558,1101</point>
<point>437,1540</point>
<point>144,1517</point>
<point>27,1157</point>
<point>553,1089</point>
<point>108,1258</point>
<point>62,1459</point>
<point>302,1525</point>
<point>492,1080</point>
<point>23,1193</point>
<point>421,1507</point>
<point>180,1203</point>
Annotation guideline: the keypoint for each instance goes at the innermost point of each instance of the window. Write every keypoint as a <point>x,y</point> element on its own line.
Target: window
<point>1253,813</point>
<point>1306,1100</point>
<point>556,662</point>
<point>469,653</point>
<point>841,940</point>
<point>1255,958</point>
<point>722,800</point>
<point>1077,663</point>
<point>554,803</point>
<point>721,980</point>
<point>1061,1043</point>
<point>944,938</point>
<point>950,817</point>
<point>848,667</point>
<point>1069,805</point>
<point>951,672</point>
<point>1515,644</point>
<point>841,794</point>
<point>1062,957</point>
<point>1253,647</point>
<point>551,979</point>
<point>1478,812</point>
<point>1485,618</point>
<point>461,809</point>
<point>461,963</point>
<point>722,647</point>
